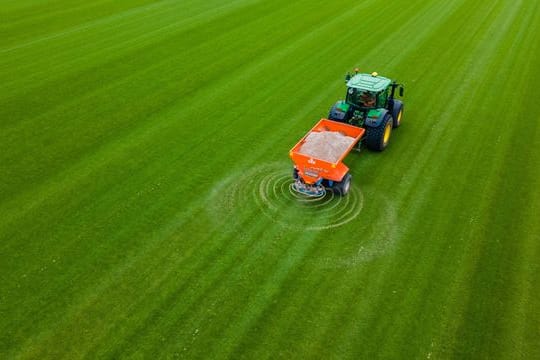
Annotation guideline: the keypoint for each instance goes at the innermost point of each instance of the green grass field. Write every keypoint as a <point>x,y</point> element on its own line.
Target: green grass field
<point>144,210</point>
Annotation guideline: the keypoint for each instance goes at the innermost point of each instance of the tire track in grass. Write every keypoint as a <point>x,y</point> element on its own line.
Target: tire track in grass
<point>329,313</point>
<point>526,325</point>
<point>487,326</point>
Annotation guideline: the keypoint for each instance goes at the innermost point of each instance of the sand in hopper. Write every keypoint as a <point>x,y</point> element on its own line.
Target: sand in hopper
<point>326,145</point>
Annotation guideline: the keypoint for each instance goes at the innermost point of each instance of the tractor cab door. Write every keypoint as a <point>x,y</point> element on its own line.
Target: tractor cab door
<point>382,98</point>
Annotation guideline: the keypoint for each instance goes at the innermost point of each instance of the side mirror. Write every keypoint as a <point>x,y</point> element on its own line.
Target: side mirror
<point>347,77</point>
<point>401,91</point>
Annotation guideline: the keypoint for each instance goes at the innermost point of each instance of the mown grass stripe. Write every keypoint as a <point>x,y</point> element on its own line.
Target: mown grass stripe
<point>128,215</point>
<point>141,11</point>
<point>114,43</point>
<point>170,87</point>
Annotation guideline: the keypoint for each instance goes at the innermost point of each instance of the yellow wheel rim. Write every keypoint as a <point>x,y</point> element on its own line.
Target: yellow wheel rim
<point>399,116</point>
<point>387,131</point>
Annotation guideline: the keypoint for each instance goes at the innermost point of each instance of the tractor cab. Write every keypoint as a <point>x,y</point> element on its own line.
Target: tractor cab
<point>367,91</point>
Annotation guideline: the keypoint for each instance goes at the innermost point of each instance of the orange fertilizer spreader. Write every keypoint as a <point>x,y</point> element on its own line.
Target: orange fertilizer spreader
<point>314,173</point>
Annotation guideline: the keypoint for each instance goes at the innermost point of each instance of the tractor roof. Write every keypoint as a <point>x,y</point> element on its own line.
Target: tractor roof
<point>369,82</point>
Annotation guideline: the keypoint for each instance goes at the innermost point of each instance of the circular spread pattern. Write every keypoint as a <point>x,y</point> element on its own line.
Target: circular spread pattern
<point>269,186</point>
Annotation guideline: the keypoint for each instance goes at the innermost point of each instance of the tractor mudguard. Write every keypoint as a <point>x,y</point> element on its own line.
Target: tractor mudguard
<point>339,111</point>
<point>375,117</point>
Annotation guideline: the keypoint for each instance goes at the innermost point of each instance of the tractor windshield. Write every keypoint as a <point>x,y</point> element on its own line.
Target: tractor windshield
<point>361,98</point>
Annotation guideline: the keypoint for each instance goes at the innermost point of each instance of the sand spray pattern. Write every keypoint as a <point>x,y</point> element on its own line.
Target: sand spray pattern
<point>270,187</point>
<point>377,240</point>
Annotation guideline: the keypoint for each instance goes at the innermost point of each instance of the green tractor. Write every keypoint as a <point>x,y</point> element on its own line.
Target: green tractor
<point>370,103</point>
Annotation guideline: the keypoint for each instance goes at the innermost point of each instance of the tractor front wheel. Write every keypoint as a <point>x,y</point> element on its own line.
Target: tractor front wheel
<point>397,112</point>
<point>377,138</point>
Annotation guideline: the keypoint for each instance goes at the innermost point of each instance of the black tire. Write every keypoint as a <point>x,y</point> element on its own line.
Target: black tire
<point>343,187</point>
<point>295,173</point>
<point>375,136</point>
<point>397,112</point>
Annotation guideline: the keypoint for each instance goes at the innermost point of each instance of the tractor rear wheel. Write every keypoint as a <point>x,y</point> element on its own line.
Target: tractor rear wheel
<point>342,188</point>
<point>377,138</point>
<point>397,112</point>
